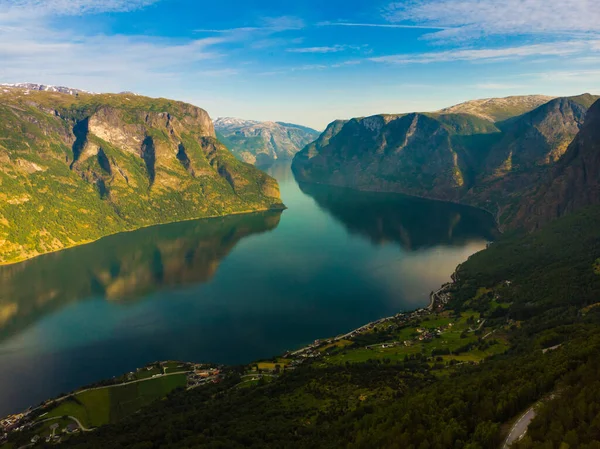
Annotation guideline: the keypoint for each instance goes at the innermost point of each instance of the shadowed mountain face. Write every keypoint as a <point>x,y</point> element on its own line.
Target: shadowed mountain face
<point>411,222</point>
<point>124,266</point>
<point>450,156</point>
<point>573,183</point>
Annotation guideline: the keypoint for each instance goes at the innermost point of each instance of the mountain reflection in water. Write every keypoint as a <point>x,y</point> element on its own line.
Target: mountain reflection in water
<point>411,222</point>
<point>124,266</point>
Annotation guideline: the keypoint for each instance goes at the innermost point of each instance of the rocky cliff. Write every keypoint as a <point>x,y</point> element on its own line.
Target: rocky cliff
<point>572,184</point>
<point>448,156</point>
<point>262,143</point>
<point>76,167</point>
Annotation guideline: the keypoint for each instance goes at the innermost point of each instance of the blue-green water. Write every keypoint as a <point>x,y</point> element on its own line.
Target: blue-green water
<point>227,290</point>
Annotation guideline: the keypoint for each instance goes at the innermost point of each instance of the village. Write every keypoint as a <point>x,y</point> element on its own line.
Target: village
<point>56,425</point>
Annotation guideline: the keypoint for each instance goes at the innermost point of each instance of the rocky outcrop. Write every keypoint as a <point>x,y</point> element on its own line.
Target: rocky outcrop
<point>77,167</point>
<point>262,143</point>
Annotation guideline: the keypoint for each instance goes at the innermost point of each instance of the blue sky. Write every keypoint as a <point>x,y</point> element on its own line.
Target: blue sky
<point>308,62</point>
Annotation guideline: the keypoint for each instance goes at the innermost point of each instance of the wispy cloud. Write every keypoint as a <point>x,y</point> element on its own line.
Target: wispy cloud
<point>228,30</point>
<point>380,25</point>
<point>71,7</point>
<point>492,54</point>
<point>330,49</point>
<point>467,19</point>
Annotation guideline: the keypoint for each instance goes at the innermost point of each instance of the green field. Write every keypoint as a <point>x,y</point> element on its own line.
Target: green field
<point>457,334</point>
<point>111,404</point>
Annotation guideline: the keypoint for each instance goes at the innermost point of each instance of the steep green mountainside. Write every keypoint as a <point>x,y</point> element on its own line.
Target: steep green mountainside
<point>261,143</point>
<point>536,294</point>
<point>499,109</point>
<point>74,168</point>
<point>449,156</point>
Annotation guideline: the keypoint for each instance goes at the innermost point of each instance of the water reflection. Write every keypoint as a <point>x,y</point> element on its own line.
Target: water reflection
<point>124,266</point>
<point>413,223</point>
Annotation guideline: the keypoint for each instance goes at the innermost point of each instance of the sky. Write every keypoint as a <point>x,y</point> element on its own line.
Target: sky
<point>309,61</point>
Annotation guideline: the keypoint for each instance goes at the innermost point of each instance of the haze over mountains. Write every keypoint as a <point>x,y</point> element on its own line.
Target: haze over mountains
<point>262,143</point>
<point>452,156</point>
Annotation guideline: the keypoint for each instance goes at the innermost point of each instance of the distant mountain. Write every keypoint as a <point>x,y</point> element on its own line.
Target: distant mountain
<point>449,156</point>
<point>74,168</point>
<point>262,143</point>
<point>46,88</point>
<point>498,109</point>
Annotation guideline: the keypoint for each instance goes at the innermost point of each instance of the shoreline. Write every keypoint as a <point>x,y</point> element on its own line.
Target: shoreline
<point>87,242</point>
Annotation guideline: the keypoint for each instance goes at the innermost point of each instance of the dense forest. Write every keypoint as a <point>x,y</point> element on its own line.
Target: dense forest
<point>543,287</point>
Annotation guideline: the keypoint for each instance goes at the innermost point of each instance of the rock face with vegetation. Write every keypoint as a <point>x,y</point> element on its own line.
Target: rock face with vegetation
<point>262,143</point>
<point>74,168</point>
<point>574,182</point>
<point>450,156</point>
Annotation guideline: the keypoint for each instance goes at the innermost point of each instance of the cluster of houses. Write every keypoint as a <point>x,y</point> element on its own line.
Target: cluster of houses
<point>201,375</point>
<point>12,422</point>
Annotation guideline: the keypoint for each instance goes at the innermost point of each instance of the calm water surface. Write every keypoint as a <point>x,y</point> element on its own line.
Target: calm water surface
<point>227,290</point>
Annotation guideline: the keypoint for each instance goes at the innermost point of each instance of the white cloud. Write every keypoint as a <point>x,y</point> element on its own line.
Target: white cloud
<point>69,7</point>
<point>379,25</point>
<point>492,54</point>
<point>475,18</point>
<point>330,49</point>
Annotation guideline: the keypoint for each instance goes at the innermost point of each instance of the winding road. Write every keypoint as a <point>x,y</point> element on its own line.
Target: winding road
<point>519,430</point>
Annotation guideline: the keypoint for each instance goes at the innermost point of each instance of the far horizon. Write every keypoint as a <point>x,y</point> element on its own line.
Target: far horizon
<point>304,64</point>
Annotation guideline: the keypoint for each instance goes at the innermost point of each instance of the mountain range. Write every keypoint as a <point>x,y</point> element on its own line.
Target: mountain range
<point>262,143</point>
<point>77,166</point>
<point>494,156</point>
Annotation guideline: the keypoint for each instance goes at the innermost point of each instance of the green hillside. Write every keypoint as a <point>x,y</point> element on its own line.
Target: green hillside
<point>76,168</point>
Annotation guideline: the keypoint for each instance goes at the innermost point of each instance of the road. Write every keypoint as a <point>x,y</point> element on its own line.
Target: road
<point>519,430</point>
<point>62,398</point>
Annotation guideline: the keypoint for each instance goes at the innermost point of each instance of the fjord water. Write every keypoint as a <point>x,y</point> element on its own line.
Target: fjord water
<point>225,290</point>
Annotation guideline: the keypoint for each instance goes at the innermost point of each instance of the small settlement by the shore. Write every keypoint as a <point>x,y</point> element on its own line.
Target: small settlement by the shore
<point>436,336</point>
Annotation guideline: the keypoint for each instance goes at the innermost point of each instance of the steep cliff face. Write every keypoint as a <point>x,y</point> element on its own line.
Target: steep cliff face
<point>262,143</point>
<point>76,167</point>
<point>572,184</point>
<point>448,156</point>
<point>416,154</point>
